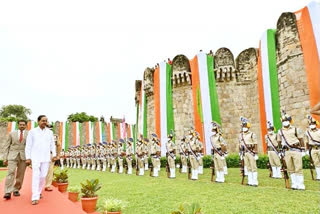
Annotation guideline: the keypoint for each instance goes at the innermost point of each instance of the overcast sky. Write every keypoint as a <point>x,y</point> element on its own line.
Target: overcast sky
<point>61,57</point>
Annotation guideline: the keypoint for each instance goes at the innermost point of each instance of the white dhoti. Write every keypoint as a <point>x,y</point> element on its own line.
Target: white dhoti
<point>39,174</point>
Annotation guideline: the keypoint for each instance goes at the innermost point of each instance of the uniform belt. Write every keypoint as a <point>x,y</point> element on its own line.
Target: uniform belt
<point>315,147</point>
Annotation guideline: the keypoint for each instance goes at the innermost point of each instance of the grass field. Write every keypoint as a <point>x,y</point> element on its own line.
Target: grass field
<point>162,195</point>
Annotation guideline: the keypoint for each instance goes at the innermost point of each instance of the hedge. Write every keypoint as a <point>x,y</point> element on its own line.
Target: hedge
<point>1,163</point>
<point>232,161</point>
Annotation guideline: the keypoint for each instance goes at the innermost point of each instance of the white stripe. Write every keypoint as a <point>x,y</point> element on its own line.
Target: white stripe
<point>314,12</point>
<point>63,139</point>
<point>163,106</point>
<point>100,131</point>
<point>266,77</point>
<point>205,99</point>
<point>91,132</point>
<point>77,134</point>
<point>13,126</point>
<point>142,109</point>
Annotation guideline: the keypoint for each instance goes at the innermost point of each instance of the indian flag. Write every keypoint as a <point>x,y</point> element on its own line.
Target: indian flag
<point>205,97</point>
<point>308,22</point>
<point>269,103</point>
<point>164,121</point>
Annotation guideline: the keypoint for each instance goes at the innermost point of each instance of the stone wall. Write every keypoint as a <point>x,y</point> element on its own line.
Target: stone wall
<point>3,137</point>
<point>150,115</point>
<point>293,88</point>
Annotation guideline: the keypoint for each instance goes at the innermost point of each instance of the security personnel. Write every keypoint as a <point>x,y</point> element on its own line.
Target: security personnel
<point>109,148</point>
<point>62,158</point>
<point>193,149</point>
<point>218,150</point>
<point>67,156</point>
<point>147,154</point>
<point>248,144</point>
<point>291,140</point>
<point>313,143</point>
<point>140,155</point>
<point>93,157</point>
<point>183,151</point>
<point>114,154</point>
<point>103,156</point>
<point>129,153</point>
<point>121,154</point>
<point>171,155</point>
<point>200,153</point>
<point>155,155</point>
<point>273,151</point>
<point>89,157</point>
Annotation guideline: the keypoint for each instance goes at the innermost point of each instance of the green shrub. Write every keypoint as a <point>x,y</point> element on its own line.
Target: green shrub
<point>185,208</point>
<point>114,205</point>
<point>90,188</point>
<point>74,189</point>
<point>1,163</point>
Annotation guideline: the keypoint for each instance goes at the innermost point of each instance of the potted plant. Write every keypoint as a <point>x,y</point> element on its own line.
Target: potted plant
<point>113,206</point>
<point>73,193</point>
<point>54,182</point>
<point>88,195</point>
<point>61,178</point>
<point>185,208</point>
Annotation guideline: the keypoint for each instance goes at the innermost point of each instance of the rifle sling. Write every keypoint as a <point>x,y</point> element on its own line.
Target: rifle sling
<point>273,147</point>
<point>315,141</point>
<point>285,140</point>
<point>246,145</point>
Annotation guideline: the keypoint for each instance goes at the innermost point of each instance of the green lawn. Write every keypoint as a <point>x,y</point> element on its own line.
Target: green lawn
<point>162,195</point>
<point>3,174</point>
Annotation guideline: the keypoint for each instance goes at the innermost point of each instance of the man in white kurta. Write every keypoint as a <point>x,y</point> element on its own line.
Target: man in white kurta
<point>40,143</point>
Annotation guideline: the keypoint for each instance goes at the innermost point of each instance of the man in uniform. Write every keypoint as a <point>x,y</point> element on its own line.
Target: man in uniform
<point>129,153</point>
<point>103,153</point>
<point>155,155</point>
<point>62,158</point>
<point>291,140</point>
<point>183,151</point>
<point>93,157</point>
<point>114,153</point>
<point>193,149</point>
<point>121,154</point>
<point>140,155</point>
<point>78,156</point>
<point>273,151</point>
<point>147,154</point>
<point>171,155</point>
<point>67,156</point>
<point>313,143</point>
<point>84,156</point>
<point>248,144</point>
<point>14,157</point>
<point>88,161</point>
<point>200,153</point>
<point>218,151</point>
<point>109,147</point>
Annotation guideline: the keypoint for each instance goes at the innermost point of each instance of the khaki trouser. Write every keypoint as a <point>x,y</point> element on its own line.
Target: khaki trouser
<point>274,159</point>
<point>294,162</point>
<point>194,163</point>
<point>224,162</point>
<point>201,161</point>
<point>183,160</point>
<point>146,159</point>
<point>120,161</point>
<point>250,162</point>
<point>140,163</point>
<point>315,154</point>
<point>218,162</point>
<point>171,162</point>
<point>16,168</point>
<point>129,163</point>
<point>49,174</point>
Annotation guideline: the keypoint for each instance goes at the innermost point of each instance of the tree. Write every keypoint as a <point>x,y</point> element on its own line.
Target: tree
<point>14,113</point>
<point>82,117</point>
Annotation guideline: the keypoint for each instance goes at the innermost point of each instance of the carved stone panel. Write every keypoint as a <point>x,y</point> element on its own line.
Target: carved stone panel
<point>148,81</point>
<point>181,73</point>
<point>246,65</point>
<point>224,65</point>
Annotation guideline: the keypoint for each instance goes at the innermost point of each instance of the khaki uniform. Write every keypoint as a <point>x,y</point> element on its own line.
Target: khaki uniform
<point>93,158</point>
<point>218,142</point>
<point>200,155</point>
<point>62,158</point>
<point>140,157</point>
<point>49,177</point>
<point>274,160</point>
<point>171,147</point>
<point>248,141</point>
<point>146,156</point>
<point>129,153</point>
<point>193,148</point>
<point>293,156</point>
<point>313,142</point>
<point>155,158</point>
<point>120,158</point>
<point>14,153</point>
<point>183,151</point>
<point>103,158</point>
<point>114,153</point>
<point>78,157</point>
<point>67,156</point>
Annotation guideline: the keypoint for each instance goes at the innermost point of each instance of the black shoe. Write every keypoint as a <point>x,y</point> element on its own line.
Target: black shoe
<point>16,193</point>
<point>7,196</point>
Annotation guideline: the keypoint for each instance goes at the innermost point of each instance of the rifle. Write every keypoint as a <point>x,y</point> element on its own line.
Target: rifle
<point>189,168</point>
<point>241,163</point>
<point>180,168</point>
<point>311,163</point>
<point>167,166</point>
<point>118,165</point>
<point>137,168</point>
<point>284,169</point>
<point>270,169</point>
<point>151,170</point>
<point>212,169</point>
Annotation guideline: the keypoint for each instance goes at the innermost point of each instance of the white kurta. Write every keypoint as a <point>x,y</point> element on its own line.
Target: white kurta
<point>39,146</point>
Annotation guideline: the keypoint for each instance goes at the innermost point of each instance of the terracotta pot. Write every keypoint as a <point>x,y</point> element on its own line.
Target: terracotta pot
<point>89,204</point>
<point>62,187</point>
<point>73,196</point>
<point>54,183</point>
<point>107,212</point>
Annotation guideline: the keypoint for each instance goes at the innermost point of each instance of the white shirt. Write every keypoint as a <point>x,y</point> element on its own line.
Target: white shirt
<point>40,143</point>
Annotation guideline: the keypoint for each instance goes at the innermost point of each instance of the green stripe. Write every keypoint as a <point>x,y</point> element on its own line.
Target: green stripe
<point>80,133</point>
<point>273,78</point>
<point>199,106</point>
<point>102,132</point>
<point>170,119</point>
<point>113,132</point>
<point>215,112</point>
<point>145,133</point>
<point>134,133</point>
<point>66,136</point>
